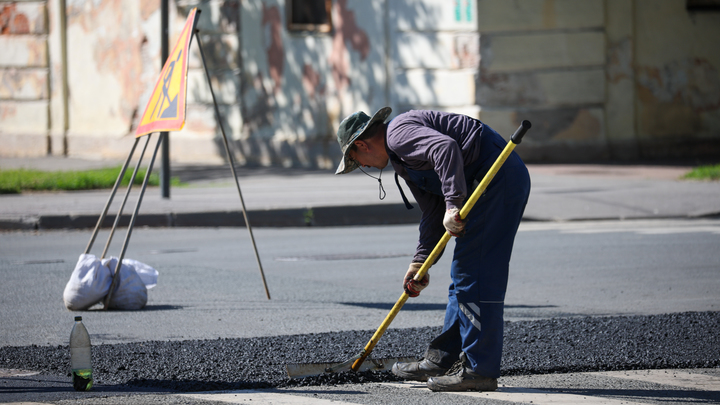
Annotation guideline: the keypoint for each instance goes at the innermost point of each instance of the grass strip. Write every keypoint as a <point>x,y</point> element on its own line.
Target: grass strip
<point>709,172</point>
<point>16,181</point>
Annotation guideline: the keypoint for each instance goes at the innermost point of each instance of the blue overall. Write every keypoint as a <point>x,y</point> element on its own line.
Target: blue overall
<point>479,270</point>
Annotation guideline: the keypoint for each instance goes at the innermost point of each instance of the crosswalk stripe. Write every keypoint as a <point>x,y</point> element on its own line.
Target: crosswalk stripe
<point>259,397</point>
<point>676,378</point>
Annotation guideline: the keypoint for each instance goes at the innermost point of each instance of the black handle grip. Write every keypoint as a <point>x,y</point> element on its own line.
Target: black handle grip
<point>517,137</point>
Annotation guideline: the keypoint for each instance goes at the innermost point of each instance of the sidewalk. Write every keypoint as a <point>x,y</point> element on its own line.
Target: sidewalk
<point>286,197</point>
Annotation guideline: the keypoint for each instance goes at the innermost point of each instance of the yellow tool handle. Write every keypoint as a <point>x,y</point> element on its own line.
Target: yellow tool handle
<point>514,141</point>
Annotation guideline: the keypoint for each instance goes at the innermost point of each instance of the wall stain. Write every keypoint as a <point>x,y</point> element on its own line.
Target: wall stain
<point>230,11</point>
<point>148,7</point>
<point>508,89</point>
<point>13,22</point>
<point>23,84</point>
<point>560,124</point>
<point>549,13</point>
<point>465,52</point>
<point>675,96</point>
<point>115,50</point>
<point>584,127</point>
<point>619,61</point>
<point>346,29</point>
<point>7,111</point>
<point>122,57</point>
<point>692,82</point>
<point>260,114</point>
<point>272,23</point>
<point>665,119</point>
<point>311,82</point>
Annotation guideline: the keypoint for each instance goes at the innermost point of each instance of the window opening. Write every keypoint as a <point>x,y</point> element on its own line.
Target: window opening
<point>309,15</point>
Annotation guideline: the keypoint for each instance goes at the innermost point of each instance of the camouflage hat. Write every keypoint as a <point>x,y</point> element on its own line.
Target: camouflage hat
<point>351,128</point>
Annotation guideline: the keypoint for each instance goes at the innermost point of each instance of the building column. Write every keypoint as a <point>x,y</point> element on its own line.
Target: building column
<point>620,100</point>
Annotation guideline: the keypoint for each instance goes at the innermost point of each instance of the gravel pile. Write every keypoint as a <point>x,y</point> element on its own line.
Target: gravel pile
<point>685,340</point>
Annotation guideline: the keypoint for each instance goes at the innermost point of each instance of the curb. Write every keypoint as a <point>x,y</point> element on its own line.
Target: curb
<point>378,214</point>
<point>359,215</point>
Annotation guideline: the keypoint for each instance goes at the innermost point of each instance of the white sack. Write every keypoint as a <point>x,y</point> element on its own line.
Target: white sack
<point>89,283</point>
<point>148,275</point>
<point>130,292</point>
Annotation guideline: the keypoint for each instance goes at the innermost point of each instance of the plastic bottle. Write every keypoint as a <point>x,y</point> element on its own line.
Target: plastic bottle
<point>80,358</point>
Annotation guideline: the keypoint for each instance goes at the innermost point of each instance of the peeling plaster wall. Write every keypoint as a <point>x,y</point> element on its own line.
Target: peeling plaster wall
<point>24,78</point>
<point>297,86</point>
<point>105,66</point>
<point>434,55</point>
<point>602,79</point>
<point>599,79</point>
<point>113,62</point>
<point>677,79</point>
<point>220,34</point>
<point>545,61</point>
<point>112,50</point>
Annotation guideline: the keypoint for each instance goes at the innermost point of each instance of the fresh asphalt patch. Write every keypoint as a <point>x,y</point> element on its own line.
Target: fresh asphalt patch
<point>562,345</point>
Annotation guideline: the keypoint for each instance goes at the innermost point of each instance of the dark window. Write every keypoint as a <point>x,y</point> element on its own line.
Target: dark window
<point>702,5</point>
<point>309,15</point>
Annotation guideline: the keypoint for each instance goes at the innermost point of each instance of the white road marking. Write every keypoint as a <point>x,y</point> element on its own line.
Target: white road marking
<point>642,227</point>
<point>28,403</point>
<point>527,395</point>
<point>11,372</point>
<point>260,397</point>
<point>676,378</point>
<point>652,231</point>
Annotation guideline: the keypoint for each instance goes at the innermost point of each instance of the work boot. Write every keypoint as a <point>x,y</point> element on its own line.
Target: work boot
<point>418,370</point>
<point>462,378</point>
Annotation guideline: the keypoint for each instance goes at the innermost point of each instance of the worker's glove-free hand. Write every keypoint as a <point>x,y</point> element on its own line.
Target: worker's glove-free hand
<point>452,222</point>
<point>412,287</point>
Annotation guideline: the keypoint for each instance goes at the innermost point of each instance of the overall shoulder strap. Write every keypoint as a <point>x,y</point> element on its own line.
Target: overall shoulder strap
<point>397,160</point>
<point>405,200</point>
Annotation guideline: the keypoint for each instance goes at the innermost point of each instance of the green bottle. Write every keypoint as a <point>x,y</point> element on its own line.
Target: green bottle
<point>80,358</point>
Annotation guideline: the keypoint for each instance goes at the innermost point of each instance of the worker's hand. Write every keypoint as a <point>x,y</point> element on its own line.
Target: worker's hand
<point>412,287</point>
<point>452,222</point>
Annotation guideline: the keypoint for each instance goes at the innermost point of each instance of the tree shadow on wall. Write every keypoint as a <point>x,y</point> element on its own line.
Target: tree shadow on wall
<point>289,110</point>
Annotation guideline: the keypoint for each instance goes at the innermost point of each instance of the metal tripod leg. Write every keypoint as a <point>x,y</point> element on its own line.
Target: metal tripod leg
<point>232,166</point>
<point>127,193</point>
<point>116,273</point>
<point>112,195</point>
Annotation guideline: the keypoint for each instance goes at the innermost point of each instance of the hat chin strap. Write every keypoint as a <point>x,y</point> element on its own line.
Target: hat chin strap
<point>381,191</point>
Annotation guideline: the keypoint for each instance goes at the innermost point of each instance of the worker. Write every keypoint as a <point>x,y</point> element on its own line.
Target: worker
<point>442,157</point>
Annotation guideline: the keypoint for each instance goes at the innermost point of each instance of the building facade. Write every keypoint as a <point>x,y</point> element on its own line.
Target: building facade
<point>601,80</point>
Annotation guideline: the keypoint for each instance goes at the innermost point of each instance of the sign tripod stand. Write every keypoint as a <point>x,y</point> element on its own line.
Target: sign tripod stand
<point>166,112</point>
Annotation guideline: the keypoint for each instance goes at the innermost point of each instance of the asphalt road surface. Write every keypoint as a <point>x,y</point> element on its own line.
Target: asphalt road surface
<point>622,275</point>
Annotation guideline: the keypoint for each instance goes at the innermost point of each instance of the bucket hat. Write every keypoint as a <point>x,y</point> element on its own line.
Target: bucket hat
<point>351,128</point>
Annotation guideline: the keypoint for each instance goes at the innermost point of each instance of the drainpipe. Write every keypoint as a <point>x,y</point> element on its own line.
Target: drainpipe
<point>164,52</point>
<point>62,18</point>
<point>388,52</point>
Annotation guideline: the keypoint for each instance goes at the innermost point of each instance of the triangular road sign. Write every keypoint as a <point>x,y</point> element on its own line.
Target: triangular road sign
<point>165,110</point>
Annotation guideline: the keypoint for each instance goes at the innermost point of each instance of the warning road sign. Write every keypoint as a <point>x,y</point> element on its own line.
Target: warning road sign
<point>165,110</point>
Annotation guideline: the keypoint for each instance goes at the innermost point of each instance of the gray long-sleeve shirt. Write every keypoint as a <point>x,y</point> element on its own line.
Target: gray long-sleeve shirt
<point>445,143</point>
